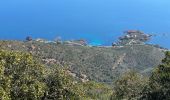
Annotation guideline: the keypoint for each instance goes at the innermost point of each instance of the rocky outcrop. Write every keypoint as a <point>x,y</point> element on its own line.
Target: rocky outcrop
<point>132,37</point>
<point>80,42</point>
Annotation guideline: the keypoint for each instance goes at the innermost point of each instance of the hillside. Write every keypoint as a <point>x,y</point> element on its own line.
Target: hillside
<point>101,64</point>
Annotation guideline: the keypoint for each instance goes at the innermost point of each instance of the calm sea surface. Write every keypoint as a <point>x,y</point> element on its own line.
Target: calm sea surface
<point>98,21</point>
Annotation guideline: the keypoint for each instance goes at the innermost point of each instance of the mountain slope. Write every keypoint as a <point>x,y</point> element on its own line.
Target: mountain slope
<point>101,64</point>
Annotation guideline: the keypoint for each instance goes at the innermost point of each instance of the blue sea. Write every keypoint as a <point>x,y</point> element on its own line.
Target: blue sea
<point>100,22</point>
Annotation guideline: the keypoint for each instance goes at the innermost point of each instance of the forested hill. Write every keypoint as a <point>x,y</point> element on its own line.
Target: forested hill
<point>101,64</point>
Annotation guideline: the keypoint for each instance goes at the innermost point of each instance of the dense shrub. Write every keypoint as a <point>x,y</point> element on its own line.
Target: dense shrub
<point>60,86</point>
<point>23,78</point>
<point>129,87</point>
<point>132,86</point>
<point>100,64</point>
<point>160,81</point>
<point>94,91</point>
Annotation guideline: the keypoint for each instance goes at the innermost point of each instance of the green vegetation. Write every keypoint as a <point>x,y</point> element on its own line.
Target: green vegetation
<point>100,64</point>
<point>34,70</point>
<point>130,86</point>
<point>94,91</point>
<point>22,77</point>
<point>160,81</point>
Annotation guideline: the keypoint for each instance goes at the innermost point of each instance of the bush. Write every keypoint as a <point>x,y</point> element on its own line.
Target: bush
<point>21,77</point>
<point>160,81</point>
<point>60,86</point>
<point>129,87</point>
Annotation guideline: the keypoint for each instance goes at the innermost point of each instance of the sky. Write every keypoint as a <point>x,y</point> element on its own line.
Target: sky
<point>97,21</point>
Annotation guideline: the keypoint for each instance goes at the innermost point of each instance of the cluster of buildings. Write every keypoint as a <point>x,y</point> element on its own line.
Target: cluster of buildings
<point>133,37</point>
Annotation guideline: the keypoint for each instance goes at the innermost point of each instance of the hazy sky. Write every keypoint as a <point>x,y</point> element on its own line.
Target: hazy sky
<point>98,21</point>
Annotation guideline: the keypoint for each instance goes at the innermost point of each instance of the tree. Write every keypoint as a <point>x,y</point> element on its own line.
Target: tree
<point>60,86</point>
<point>21,76</point>
<point>129,87</point>
<point>160,81</point>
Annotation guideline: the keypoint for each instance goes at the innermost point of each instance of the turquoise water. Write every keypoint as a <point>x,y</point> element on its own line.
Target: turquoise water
<point>98,21</point>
